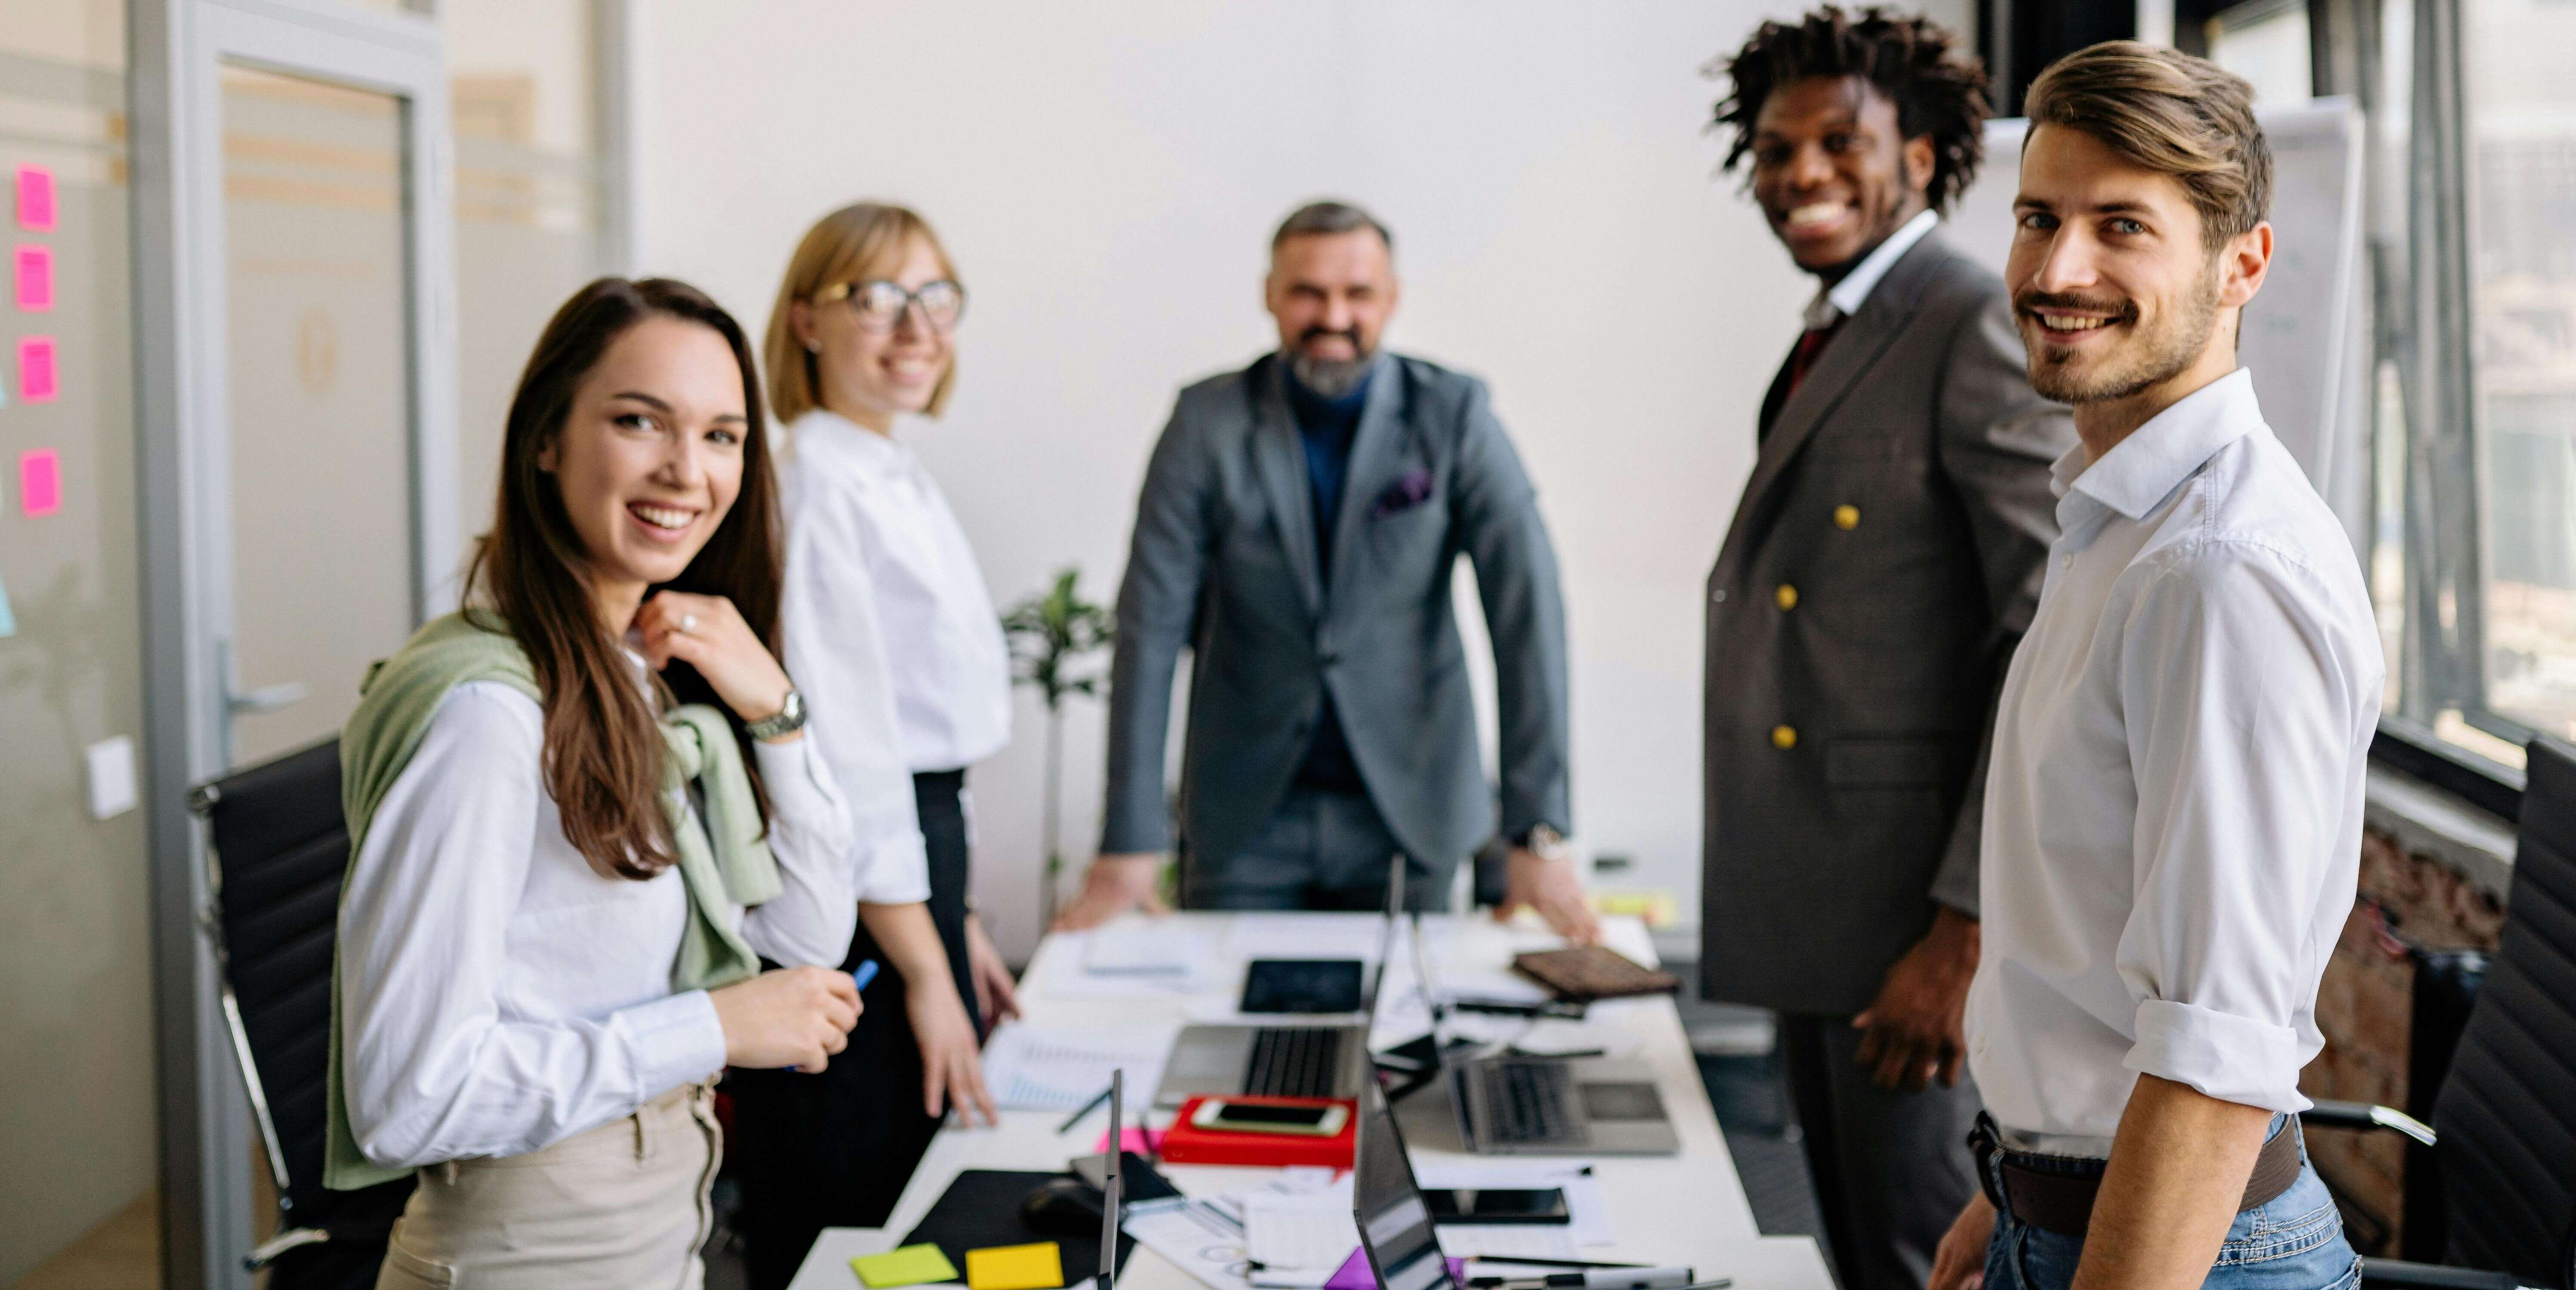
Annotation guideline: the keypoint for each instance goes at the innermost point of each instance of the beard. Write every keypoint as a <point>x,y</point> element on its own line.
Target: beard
<point>2153,355</point>
<point>1331,377</point>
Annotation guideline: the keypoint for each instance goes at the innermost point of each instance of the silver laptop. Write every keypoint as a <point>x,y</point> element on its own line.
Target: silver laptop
<point>1515,1105</point>
<point>1310,1060</point>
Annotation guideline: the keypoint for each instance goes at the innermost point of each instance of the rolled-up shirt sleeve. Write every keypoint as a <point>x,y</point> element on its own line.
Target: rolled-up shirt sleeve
<point>2233,678</point>
<point>810,920</point>
<point>431,1069</point>
<point>836,653</point>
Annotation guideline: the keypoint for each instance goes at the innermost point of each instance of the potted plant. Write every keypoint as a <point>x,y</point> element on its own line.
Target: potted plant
<point>1053,635</point>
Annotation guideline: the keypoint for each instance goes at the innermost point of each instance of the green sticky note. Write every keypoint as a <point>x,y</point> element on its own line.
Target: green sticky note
<point>8,625</point>
<point>910,1266</point>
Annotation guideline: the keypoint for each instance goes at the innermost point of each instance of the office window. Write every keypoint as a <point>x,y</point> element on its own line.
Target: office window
<point>2521,128</point>
<point>524,83</point>
<point>2473,194</point>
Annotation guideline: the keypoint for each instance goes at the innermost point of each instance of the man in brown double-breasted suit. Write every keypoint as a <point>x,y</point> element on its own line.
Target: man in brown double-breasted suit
<point>1884,560</point>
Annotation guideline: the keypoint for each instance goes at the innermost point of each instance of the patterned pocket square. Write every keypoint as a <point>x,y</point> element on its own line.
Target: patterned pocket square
<point>1407,492</point>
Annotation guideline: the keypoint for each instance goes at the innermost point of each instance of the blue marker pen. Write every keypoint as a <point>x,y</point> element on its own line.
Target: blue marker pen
<point>867,972</point>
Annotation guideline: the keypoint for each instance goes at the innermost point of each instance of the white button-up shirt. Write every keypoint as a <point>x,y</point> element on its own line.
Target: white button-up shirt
<point>497,994</point>
<point>891,635</point>
<point>2173,809</point>
<point>1844,298</point>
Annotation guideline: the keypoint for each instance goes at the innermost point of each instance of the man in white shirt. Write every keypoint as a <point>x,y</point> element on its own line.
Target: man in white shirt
<point>1883,559</point>
<point>2173,811</point>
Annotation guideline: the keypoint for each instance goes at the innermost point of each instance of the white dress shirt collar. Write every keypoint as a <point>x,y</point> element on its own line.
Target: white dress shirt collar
<point>881,454</point>
<point>1844,298</point>
<point>2141,471</point>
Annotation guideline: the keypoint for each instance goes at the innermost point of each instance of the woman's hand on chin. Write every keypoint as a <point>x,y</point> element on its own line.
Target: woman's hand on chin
<point>709,634</point>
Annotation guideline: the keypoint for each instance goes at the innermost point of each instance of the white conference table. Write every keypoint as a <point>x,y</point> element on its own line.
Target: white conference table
<point>1673,1210</point>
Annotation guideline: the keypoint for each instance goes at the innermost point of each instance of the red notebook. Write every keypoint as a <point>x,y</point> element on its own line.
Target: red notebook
<point>1187,1144</point>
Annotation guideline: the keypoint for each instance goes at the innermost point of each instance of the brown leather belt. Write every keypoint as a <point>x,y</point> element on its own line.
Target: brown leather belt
<point>2063,1203</point>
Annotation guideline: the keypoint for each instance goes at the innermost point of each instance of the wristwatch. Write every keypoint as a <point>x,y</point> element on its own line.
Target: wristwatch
<point>790,719</point>
<point>1541,840</point>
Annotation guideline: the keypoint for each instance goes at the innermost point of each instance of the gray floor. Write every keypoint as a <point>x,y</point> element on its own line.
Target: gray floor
<point>1736,1062</point>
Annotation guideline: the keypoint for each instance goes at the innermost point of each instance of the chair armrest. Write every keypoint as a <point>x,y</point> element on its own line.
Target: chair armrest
<point>291,1238</point>
<point>2398,1274</point>
<point>2362,1115</point>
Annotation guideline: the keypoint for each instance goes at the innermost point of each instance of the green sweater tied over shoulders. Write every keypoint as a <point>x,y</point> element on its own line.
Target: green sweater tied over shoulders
<point>723,862</point>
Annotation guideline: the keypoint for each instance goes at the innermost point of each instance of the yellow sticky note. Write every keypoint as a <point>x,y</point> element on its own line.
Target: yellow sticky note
<point>910,1266</point>
<point>1015,1267</point>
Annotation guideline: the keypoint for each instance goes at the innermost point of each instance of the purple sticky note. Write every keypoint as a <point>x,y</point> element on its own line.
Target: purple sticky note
<point>36,369</point>
<point>40,482</point>
<point>35,277</point>
<point>35,199</point>
<point>1355,1274</point>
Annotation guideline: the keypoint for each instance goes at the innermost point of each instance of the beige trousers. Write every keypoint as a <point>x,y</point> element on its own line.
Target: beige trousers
<point>623,1205</point>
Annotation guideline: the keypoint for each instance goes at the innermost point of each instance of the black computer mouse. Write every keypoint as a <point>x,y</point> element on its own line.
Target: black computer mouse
<point>1065,1205</point>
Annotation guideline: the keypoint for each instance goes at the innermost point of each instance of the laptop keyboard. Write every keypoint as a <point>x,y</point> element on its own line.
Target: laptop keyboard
<point>1527,1102</point>
<point>1294,1061</point>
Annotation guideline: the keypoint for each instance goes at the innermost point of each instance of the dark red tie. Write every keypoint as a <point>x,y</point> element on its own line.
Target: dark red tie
<point>1811,342</point>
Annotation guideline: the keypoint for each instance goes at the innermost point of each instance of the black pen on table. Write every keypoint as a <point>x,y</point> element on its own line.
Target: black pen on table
<point>1098,1100</point>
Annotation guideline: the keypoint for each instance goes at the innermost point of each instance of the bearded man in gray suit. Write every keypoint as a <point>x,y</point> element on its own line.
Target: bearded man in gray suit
<point>1883,562</point>
<point>1297,531</point>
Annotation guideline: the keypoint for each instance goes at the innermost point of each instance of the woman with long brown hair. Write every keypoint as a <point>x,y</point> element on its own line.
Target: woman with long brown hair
<point>580,812</point>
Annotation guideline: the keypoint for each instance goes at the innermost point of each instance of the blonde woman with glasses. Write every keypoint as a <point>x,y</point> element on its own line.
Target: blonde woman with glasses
<point>891,632</point>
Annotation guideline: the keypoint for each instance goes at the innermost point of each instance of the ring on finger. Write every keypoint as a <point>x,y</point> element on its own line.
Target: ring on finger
<point>688,624</point>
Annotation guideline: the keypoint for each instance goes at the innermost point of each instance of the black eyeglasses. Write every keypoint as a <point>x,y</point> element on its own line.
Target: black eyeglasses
<point>879,304</point>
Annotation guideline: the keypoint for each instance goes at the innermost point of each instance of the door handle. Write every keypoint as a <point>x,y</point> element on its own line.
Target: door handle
<point>237,702</point>
<point>267,698</point>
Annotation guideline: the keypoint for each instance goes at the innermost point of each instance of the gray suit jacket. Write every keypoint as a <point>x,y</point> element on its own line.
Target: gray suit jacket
<point>1224,562</point>
<point>1885,559</point>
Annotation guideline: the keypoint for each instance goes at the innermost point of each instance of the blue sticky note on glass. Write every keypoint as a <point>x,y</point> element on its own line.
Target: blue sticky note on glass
<point>8,625</point>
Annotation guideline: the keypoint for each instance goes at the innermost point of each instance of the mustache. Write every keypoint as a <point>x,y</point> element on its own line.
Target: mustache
<point>1311,334</point>
<point>2120,311</point>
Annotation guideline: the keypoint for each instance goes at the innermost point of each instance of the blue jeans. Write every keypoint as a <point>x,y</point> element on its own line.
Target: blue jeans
<point>2293,1242</point>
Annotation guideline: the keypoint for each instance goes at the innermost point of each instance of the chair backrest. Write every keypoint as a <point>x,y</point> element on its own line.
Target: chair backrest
<point>279,850</point>
<point>2507,1114</point>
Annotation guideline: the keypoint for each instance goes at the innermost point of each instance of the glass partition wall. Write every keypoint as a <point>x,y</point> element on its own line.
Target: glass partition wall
<point>77,1144</point>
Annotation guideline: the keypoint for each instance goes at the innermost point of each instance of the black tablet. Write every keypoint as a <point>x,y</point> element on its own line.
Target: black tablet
<point>1302,985</point>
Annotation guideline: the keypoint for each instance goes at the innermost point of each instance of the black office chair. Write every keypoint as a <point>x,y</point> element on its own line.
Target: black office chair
<point>2504,1123</point>
<point>277,851</point>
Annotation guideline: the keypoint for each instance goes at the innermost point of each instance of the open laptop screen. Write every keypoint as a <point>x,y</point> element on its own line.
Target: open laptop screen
<point>1395,1225</point>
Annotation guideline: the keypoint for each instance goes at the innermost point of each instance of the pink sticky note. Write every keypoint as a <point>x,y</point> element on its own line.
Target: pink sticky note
<point>36,369</point>
<point>36,199</point>
<point>35,277</point>
<point>40,482</point>
<point>1136,1138</point>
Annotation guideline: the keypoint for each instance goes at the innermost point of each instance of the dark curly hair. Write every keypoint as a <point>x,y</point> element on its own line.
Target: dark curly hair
<point>1938,88</point>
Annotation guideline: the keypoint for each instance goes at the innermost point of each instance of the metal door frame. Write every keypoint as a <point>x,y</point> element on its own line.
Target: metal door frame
<point>179,47</point>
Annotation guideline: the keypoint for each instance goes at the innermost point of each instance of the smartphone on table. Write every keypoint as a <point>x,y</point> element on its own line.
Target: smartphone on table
<point>1497,1205</point>
<point>1320,1120</point>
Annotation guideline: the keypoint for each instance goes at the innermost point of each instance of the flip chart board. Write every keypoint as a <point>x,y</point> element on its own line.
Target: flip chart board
<point>2306,337</point>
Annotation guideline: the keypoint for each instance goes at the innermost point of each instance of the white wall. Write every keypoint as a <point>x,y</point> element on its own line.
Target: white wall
<point>1107,175</point>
